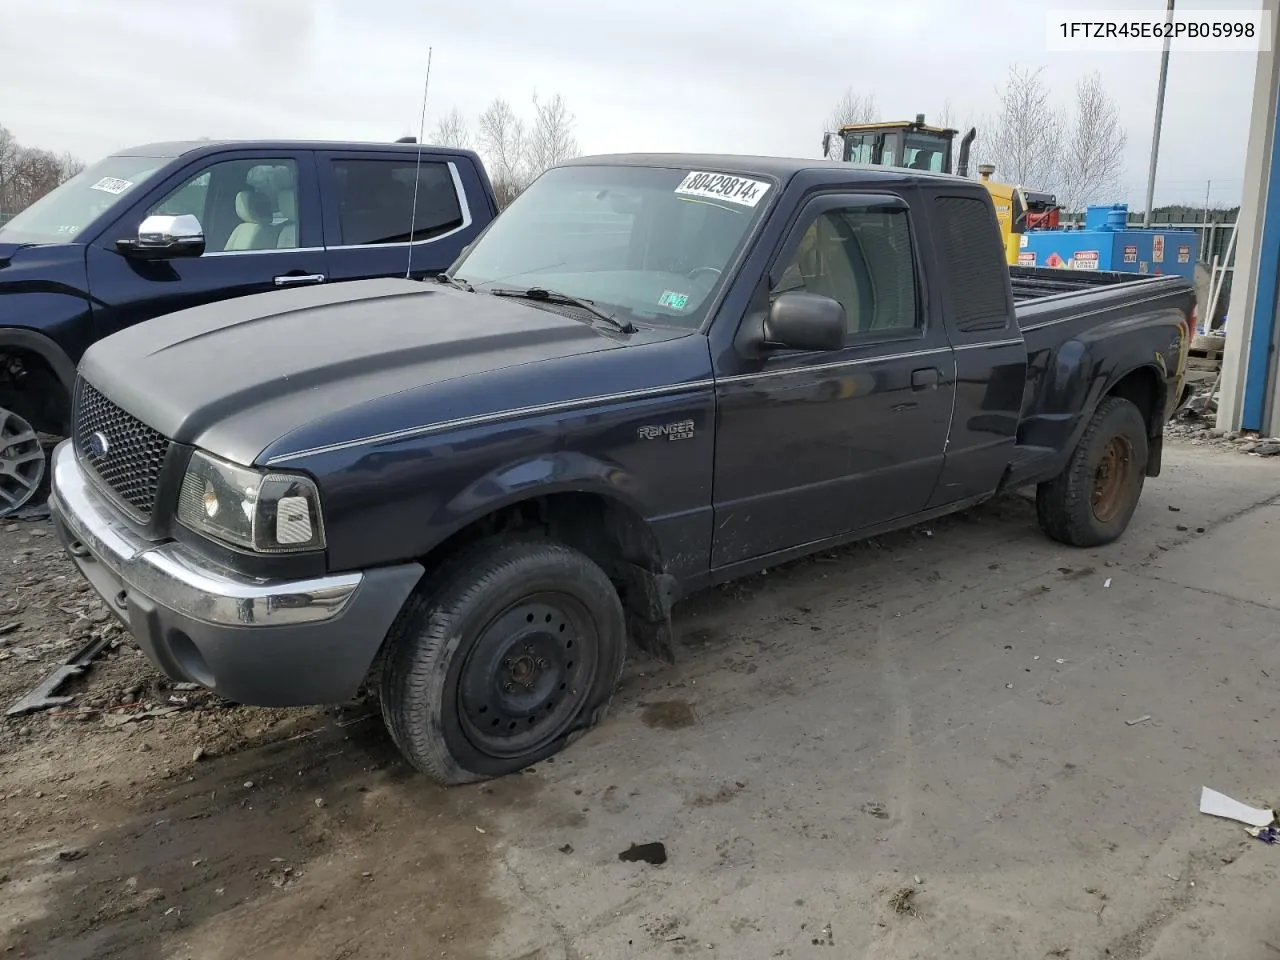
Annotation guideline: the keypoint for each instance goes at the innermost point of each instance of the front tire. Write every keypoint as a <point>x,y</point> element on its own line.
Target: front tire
<point>1092,501</point>
<point>501,659</point>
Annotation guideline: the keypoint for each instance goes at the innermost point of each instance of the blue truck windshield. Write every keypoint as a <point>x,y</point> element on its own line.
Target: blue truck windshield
<point>650,243</point>
<point>61,215</point>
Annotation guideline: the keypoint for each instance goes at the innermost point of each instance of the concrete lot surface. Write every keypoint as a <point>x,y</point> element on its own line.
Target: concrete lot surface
<point>917,747</point>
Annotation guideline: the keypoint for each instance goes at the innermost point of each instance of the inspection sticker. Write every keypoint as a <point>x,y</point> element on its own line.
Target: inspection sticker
<point>673,300</point>
<point>1184,253</point>
<point>112,185</point>
<point>722,186</point>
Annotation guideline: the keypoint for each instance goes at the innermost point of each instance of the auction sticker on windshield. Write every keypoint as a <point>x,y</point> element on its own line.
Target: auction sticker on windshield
<point>112,185</point>
<point>722,186</point>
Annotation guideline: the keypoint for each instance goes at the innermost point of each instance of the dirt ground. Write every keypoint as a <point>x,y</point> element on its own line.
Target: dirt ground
<point>959,740</point>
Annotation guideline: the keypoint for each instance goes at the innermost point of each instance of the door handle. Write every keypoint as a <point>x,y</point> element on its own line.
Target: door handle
<point>928,377</point>
<point>293,279</point>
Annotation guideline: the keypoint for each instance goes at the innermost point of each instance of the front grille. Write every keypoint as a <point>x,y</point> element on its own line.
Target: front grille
<point>124,452</point>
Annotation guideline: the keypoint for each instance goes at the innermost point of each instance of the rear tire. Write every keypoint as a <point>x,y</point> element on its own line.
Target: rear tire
<point>1092,501</point>
<point>502,658</point>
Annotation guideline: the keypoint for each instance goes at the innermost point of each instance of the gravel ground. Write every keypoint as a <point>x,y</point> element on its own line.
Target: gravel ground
<point>913,747</point>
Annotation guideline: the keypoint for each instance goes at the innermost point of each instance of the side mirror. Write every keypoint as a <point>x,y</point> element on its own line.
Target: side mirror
<point>804,321</point>
<point>826,146</point>
<point>165,236</point>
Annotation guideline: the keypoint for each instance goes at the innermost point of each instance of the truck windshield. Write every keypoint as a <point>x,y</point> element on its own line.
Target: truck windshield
<point>647,243</point>
<point>61,215</point>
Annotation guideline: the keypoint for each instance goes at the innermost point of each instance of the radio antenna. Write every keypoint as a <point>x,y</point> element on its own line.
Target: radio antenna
<point>417,167</point>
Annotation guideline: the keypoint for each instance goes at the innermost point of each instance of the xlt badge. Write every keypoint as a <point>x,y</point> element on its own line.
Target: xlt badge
<point>682,430</point>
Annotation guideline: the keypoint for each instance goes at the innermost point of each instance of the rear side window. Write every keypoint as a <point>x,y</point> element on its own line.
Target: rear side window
<point>376,201</point>
<point>974,263</point>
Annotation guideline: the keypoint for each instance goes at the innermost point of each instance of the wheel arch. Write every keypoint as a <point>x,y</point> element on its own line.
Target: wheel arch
<point>29,351</point>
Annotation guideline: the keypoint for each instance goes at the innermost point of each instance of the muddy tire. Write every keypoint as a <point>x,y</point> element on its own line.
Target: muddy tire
<point>500,659</point>
<point>1091,502</point>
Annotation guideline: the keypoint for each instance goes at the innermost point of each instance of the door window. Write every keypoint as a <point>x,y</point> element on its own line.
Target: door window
<point>376,201</point>
<point>243,205</point>
<point>861,257</point>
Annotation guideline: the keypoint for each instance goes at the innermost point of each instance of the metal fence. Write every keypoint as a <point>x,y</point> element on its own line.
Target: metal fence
<point>5,217</point>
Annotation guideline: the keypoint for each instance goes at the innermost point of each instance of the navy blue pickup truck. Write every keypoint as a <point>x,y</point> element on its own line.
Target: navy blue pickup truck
<point>163,227</point>
<point>649,375</point>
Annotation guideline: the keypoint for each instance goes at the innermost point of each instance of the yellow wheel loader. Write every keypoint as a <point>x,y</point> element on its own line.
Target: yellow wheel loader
<point>915,145</point>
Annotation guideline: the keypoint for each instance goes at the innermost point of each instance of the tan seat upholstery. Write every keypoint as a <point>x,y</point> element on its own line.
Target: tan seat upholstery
<point>255,231</point>
<point>287,207</point>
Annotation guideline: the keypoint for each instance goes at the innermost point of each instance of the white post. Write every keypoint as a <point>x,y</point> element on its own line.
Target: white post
<point>1213,279</point>
<point>1226,259</point>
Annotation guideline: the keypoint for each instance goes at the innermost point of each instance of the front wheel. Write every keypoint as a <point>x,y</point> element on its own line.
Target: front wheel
<point>1091,502</point>
<point>501,658</point>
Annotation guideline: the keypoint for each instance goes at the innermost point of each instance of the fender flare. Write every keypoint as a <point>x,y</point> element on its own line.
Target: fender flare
<point>538,476</point>
<point>46,349</point>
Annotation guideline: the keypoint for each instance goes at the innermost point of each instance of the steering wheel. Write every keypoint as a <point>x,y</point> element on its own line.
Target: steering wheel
<point>693,274</point>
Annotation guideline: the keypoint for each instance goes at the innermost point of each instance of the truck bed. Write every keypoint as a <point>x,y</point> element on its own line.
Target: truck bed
<point>1034,283</point>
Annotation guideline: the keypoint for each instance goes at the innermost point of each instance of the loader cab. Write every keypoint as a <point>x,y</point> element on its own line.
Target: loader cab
<point>913,145</point>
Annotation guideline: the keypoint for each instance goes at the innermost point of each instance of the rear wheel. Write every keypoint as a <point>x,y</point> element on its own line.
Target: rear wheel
<point>1091,502</point>
<point>501,659</point>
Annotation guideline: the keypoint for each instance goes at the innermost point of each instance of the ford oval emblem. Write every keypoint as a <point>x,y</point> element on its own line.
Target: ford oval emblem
<point>98,445</point>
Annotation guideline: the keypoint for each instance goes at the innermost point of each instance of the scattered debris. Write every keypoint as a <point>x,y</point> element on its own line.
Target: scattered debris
<point>1142,719</point>
<point>198,755</point>
<point>904,901</point>
<point>653,853</point>
<point>41,696</point>
<point>10,627</point>
<point>1220,805</point>
<point>567,848</point>
<point>1267,835</point>
<point>70,855</point>
<point>1107,585</point>
<point>877,810</point>
<point>319,802</point>
<point>478,829</point>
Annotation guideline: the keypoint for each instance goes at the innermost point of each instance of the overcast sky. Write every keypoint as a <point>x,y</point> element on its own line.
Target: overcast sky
<point>746,76</point>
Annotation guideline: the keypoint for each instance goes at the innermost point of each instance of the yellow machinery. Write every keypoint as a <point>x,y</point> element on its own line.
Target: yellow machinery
<point>914,145</point>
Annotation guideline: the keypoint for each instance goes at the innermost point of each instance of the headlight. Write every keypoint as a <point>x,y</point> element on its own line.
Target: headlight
<point>264,512</point>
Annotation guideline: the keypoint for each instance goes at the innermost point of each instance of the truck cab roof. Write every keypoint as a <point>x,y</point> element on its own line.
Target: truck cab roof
<point>780,168</point>
<point>182,148</point>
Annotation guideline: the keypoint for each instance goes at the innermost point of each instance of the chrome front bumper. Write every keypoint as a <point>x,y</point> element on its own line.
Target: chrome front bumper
<point>270,643</point>
<point>172,574</point>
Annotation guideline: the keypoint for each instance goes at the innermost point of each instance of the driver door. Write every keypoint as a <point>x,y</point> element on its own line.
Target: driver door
<point>261,218</point>
<point>811,445</point>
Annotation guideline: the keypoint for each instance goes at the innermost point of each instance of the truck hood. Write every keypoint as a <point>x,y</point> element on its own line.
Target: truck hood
<point>234,376</point>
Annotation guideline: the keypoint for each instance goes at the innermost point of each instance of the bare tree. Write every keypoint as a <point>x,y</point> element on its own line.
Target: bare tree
<point>1023,141</point>
<point>849,109</point>
<point>550,140</point>
<point>28,173</point>
<point>1093,152</point>
<point>502,141</point>
<point>853,108</point>
<point>452,131</point>
<point>946,116</point>
<point>71,165</point>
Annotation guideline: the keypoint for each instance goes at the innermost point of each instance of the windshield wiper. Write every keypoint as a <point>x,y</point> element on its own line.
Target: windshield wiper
<point>553,296</point>
<point>461,284</point>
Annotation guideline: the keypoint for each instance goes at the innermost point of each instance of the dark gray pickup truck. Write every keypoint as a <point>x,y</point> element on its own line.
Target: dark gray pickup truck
<point>649,375</point>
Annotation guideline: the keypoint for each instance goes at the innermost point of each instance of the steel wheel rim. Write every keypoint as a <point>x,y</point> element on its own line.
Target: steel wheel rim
<point>528,674</point>
<point>22,462</point>
<point>1111,478</point>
